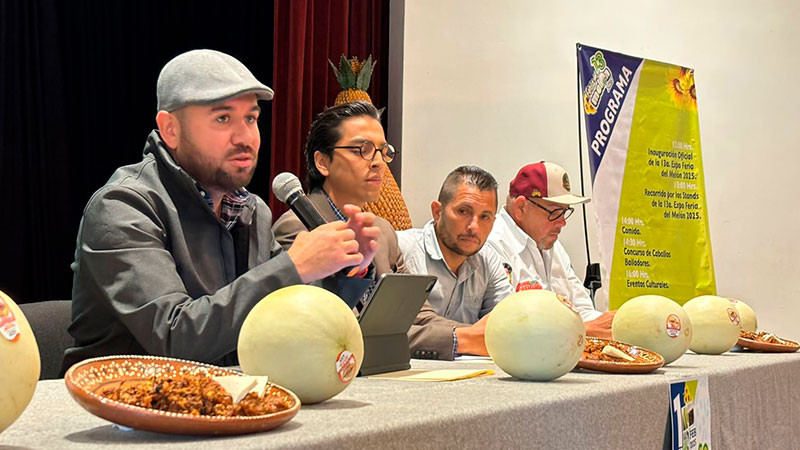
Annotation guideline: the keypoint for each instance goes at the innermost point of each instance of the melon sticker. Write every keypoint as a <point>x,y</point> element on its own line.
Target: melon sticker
<point>527,286</point>
<point>8,323</point>
<point>565,301</point>
<point>346,366</point>
<point>673,326</point>
<point>733,315</point>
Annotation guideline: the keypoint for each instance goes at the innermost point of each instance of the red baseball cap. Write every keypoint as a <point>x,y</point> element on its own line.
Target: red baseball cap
<point>544,180</point>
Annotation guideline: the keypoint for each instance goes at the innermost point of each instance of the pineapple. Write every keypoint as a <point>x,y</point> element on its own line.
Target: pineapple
<point>354,77</point>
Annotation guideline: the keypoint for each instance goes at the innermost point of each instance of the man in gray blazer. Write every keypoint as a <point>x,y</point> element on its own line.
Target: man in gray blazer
<point>173,252</point>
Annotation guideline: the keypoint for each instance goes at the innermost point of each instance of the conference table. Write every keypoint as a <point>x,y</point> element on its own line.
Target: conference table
<point>755,403</point>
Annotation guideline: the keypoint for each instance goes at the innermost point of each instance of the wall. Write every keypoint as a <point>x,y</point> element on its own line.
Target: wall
<point>494,84</point>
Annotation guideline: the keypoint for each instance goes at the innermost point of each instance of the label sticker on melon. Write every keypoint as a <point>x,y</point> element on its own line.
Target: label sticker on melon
<point>673,325</point>
<point>346,366</point>
<point>8,323</point>
<point>527,286</point>
<point>733,315</point>
<point>566,302</point>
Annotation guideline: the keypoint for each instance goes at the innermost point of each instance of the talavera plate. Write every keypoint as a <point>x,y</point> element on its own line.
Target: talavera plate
<point>771,347</point>
<point>654,360</point>
<point>87,379</point>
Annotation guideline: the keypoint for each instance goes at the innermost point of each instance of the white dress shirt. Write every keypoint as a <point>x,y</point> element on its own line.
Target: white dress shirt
<point>528,266</point>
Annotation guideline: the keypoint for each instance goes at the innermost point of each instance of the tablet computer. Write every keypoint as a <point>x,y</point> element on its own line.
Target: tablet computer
<point>386,318</point>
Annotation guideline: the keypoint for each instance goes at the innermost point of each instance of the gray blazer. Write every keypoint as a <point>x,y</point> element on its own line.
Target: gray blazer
<point>431,336</point>
<point>156,272</point>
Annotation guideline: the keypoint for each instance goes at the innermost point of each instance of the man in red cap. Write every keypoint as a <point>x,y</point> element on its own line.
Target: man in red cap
<point>525,235</point>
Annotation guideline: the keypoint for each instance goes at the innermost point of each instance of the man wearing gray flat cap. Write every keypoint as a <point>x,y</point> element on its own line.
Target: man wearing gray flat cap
<point>173,252</point>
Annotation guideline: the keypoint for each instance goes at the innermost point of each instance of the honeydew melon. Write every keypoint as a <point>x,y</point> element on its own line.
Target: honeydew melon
<point>716,324</point>
<point>746,314</point>
<point>656,323</point>
<point>305,339</point>
<point>533,335</point>
<point>20,367</point>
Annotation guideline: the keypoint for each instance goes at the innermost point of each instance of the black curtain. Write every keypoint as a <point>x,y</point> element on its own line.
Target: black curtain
<point>77,100</point>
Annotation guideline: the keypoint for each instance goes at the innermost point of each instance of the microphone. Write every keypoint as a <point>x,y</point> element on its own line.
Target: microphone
<point>287,188</point>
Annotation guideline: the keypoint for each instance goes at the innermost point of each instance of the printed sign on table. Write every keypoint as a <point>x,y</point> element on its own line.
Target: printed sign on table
<point>690,412</point>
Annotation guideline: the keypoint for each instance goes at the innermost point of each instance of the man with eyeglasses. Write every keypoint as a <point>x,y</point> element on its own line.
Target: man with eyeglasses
<point>525,235</point>
<point>346,156</point>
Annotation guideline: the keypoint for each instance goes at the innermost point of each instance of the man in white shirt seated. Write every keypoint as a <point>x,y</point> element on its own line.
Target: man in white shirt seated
<point>471,278</point>
<point>525,235</point>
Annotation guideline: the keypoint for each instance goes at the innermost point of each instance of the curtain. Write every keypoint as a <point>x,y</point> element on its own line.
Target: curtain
<point>77,100</point>
<point>307,34</point>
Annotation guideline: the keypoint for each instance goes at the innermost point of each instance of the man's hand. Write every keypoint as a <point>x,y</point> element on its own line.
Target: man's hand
<point>366,233</point>
<point>600,327</point>
<point>471,339</point>
<point>324,251</point>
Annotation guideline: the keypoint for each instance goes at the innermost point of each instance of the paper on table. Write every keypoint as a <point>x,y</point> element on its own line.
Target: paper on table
<point>473,358</point>
<point>433,375</point>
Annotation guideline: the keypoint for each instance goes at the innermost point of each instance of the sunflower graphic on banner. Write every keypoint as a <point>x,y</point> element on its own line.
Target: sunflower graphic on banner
<point>643,141</point>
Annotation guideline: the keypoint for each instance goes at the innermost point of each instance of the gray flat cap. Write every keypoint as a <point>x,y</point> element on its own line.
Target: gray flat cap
<point>204,77</point>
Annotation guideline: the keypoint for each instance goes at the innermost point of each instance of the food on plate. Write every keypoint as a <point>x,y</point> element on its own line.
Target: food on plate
<point>194,394</point>
<point>606,355</point>
<point>716,324</point>
<point>612,352</point>
<point>535,335</point>
<point>305,339</point>
<point>765,336</point>
<point>656,323</point>
<point>19,354</point>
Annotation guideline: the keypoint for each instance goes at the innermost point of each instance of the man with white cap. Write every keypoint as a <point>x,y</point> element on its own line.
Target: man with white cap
<point>525,235</point>
<point>173,252</point>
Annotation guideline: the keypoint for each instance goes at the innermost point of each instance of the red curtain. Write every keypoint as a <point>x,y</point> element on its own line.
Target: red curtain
<point>307,34</point>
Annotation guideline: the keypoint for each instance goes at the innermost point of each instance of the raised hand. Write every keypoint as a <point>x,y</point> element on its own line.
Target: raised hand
<point>366,233</point>
<point>326,250</point>
<point>600,327</point>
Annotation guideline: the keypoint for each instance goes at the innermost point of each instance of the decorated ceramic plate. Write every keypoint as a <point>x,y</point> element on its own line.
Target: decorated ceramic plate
<point>605,355</point>
<point>766,342</point>
<point>90,382</point>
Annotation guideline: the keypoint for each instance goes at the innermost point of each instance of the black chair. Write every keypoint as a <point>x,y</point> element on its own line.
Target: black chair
<point>49,321</point>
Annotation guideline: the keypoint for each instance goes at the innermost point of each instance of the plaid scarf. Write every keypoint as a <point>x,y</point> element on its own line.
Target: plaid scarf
<point>233,204</point>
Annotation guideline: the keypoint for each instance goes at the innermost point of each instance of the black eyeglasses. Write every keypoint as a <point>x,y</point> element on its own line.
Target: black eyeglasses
<point>555,214</point>
<point>367,150</point>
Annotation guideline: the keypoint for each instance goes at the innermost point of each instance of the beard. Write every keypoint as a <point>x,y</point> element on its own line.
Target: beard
<point>210,173</point>
<point>547,242</point>
<point>451,242</point>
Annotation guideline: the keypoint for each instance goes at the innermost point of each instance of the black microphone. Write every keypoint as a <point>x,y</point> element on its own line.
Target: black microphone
<point>287,188</point>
